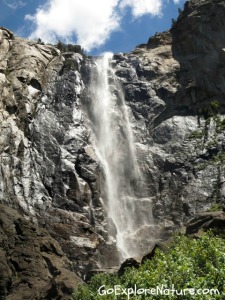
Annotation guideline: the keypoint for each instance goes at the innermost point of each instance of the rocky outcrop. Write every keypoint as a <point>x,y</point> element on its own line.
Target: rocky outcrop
<point>198,45</point>
<point>214,221</point>
<point>174,90</point>
<point>33,265</point>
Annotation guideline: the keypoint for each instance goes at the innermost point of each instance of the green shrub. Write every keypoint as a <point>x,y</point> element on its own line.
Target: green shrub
<point>220,157</point>
<point>215,207</point>
<point>189,263</point>
<point>197,134</point>
<point>211,110</point>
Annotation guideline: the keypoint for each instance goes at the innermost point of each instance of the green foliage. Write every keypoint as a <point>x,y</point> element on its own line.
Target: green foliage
<point>197,134</point>
<point>69,48</point>
<point>219,232</point>
<point>219,158</point>
<point>220,124</point>
<point>189,263</point>
<point>89,292</point>
<point>215,207</point>
<point>212,110</point>
<point>215,105</point>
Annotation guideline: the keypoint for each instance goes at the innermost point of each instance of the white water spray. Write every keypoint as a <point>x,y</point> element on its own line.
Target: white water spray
<point>128,211</point>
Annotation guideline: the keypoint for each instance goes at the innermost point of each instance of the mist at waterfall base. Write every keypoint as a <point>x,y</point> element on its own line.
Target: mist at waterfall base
<point>129,211</point>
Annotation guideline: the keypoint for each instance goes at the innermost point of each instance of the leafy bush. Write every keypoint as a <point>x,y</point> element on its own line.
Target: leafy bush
<point>189,263</point>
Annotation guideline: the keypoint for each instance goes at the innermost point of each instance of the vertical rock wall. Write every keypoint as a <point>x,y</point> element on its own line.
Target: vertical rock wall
<point>174,90</point>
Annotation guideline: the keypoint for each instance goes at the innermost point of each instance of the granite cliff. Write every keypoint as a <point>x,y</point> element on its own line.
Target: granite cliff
<point>51,180</point>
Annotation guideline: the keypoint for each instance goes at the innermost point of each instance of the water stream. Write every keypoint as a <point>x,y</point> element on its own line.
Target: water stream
<point>129,213</point>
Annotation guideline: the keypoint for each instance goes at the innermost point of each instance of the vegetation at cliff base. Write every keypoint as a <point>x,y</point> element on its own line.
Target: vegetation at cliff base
<point>189,264</point>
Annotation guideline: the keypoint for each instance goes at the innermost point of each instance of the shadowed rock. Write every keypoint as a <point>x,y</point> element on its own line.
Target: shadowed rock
<point>128,263</point>
<point>32,264</point>
<point>206,221</point>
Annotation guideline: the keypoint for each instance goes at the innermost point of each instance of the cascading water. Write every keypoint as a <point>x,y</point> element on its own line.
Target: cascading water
<point>129,212</point>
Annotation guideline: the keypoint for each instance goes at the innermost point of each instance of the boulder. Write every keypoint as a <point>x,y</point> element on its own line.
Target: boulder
<point>206,221</point>
<point>128,263</point>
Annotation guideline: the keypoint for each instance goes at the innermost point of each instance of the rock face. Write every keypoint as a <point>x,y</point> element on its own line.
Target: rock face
<point>174,89</point>
<point>174,86</point>
<point>208,220</point>
<point>48,169</point>
<point>33,265</point>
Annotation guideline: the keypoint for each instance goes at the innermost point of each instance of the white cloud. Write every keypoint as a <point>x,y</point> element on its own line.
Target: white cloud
<point>14,4</point>
<point>142,7</point>
<point>91,21</point>
<point>86,22</point>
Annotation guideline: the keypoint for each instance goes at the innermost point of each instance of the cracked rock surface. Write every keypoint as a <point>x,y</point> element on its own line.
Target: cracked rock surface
<point>33,266</point>
<point>174,87</point>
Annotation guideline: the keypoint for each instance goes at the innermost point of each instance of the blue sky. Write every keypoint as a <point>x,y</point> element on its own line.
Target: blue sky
<point>98,25</point>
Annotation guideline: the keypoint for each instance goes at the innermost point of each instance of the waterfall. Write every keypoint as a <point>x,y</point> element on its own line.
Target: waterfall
<point>129,213</point>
